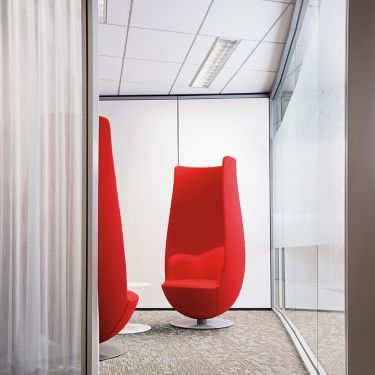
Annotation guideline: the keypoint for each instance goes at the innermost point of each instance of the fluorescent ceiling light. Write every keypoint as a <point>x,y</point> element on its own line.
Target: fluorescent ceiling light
<point>102,11</point>
<point>214,61</point>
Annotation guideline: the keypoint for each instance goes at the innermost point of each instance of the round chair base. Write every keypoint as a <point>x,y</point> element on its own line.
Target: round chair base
<point>134,328</point>
<point>108,350</point>
<point>189,323</point>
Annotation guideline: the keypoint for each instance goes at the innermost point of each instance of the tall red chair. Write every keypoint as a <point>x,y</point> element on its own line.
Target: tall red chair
<point>205,249</point>
<point>116,303</point>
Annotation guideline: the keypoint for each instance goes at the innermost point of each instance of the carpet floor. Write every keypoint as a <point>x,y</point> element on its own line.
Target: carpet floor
<point>257,343</point>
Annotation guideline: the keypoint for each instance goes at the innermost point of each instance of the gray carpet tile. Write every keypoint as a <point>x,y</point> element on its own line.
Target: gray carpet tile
<point>256,344</point>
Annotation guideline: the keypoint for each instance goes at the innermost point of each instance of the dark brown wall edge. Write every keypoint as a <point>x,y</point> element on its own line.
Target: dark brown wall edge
<point>360,188</point>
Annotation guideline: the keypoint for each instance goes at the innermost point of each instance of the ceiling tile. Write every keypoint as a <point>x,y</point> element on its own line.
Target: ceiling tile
<point>111,40</point>
<point>108,87</point>
<point>137,88</point>
<point>187,74</point>
<point>181,15</point>
<point>110,67</point>
<point>200,49</point>
<point>242,19</point>
<point>250,81</point>
<point>279,33</point>
<point>266,57</point>
<point>240,54</point>
<point>118,11</point>
<point>157,45</point>
<point>154,72</point>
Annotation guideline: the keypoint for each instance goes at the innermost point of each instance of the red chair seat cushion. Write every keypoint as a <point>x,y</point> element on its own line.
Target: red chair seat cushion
<point>193,282</point>
<point>195,298</point>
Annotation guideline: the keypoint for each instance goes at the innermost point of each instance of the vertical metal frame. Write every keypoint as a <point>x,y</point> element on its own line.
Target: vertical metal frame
<point>300,344</point>
<point>90,98</point>
<point>295,28</point>
<point>84,192</point>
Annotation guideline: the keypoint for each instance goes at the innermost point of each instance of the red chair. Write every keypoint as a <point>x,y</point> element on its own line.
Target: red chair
<point>116,303</point>
<point>205,249</point>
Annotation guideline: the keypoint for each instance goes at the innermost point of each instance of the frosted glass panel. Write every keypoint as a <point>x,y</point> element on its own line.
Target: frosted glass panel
<point>331,186</point>
<point>308,141</point>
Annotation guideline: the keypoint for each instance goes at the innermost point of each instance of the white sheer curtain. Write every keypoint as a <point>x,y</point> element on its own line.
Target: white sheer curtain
<point>40,186</point>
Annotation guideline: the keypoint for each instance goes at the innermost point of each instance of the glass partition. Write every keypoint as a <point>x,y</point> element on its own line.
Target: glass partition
<point>308,163</point>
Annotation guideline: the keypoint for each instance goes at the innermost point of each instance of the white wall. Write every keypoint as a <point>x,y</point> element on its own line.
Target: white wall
<point>145,150</point>
<point>213,128</point>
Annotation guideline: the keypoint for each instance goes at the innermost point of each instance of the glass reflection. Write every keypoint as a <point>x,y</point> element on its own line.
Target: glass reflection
<point>308,156</point>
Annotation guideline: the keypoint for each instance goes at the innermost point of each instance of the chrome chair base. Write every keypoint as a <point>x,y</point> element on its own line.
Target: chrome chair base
<point>189,323</point>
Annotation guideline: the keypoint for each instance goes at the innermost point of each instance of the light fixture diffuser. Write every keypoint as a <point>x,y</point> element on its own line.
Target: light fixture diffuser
<point>102,11</point>
<point>214,61</point>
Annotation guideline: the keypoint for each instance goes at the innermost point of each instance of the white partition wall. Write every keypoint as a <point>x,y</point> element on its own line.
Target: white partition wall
<point>213,128</point>
<point>145,135</point>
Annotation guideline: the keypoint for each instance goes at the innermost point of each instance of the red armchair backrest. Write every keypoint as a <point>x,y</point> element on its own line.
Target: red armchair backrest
<point>112,285</point>
<point>196,215</point>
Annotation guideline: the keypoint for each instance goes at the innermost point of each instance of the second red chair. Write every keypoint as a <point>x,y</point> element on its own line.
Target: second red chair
<point>116,303</point>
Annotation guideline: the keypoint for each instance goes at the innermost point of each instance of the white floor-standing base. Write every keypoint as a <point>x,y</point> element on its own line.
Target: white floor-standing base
<point>189,323</point>
<point>134,328</point>
<point>108,350</point>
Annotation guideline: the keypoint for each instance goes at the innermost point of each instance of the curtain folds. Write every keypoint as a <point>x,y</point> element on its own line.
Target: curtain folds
<point>40,186</point>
